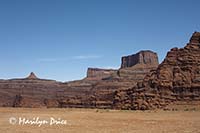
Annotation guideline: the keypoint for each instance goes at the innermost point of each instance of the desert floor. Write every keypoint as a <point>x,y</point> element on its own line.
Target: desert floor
<point>99,121</point>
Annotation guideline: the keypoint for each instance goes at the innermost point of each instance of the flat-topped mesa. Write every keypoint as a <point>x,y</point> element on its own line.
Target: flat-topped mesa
<point>146,57</point>
<point>32,76</point>
<point>136,66</point>
<point>98,74</point>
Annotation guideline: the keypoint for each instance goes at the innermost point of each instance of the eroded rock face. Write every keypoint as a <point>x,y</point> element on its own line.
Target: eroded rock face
<point>136,66</point>
<point>195,38</point>
<point>27,92</point>
<point>103,92</point>
<point>177,78</point>
<point>143,57</point>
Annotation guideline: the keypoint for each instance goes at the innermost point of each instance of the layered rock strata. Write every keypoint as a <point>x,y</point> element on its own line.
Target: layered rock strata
<point>140,83</point>
<point>176,79</point>
<point>97,90</point>
<point>98,74</point>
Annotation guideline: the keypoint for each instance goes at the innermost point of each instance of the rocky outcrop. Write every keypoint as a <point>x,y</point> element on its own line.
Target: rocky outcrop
<point>177,78</point>
<point>143,57</point>
<point>136,66</point>
<point>195,39</point>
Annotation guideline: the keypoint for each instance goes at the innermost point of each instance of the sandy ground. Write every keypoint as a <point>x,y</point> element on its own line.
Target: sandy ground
<point>12,120</point>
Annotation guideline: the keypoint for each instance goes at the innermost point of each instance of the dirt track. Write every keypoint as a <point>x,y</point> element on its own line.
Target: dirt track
<point>100,121</point>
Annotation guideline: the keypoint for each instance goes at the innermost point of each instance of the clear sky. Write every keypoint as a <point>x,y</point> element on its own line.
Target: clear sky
<point>60,39</point>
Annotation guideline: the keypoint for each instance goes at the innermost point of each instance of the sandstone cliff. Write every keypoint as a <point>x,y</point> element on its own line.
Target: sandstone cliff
<point>177,78</point>
<point>143,57</point>
<point>136,66</point>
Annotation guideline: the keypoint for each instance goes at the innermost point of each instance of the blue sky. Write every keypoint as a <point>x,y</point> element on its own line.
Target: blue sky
<point>60,39</point>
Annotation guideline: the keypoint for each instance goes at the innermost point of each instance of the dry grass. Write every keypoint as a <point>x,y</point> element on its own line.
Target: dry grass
<point>102,121</point>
